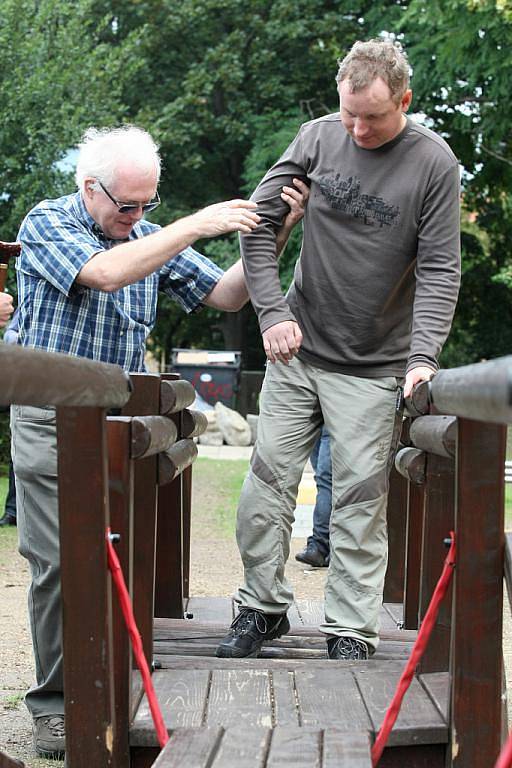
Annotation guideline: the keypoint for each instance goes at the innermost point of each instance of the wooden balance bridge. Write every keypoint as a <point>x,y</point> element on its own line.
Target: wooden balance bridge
<point>291,706</point>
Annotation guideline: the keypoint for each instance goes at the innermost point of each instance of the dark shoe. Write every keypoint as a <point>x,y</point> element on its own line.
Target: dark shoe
<point>249,631</point>
<point>312,556</point>
<point>7,519</point>
<point>347,649</point>
<point>48,735</point>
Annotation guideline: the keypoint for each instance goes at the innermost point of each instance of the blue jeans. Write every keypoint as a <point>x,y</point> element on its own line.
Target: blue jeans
<point>321,461</point>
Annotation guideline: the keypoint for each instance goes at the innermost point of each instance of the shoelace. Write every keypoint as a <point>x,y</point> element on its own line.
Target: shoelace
<point>56,726</point>
<point>351,648</point>
<point>240,626</point>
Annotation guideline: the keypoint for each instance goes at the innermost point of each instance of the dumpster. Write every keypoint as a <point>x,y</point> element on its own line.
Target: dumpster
<point>215,375</point>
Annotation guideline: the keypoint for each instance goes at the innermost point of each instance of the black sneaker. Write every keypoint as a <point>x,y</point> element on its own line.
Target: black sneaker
<point>49,736</point>
<point>7,519</point>
<point>311,555</point>
<point>347,649</point>
<point>249,631</point>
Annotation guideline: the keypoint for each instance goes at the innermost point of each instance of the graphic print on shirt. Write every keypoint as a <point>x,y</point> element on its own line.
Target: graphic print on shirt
<point>345,195</point>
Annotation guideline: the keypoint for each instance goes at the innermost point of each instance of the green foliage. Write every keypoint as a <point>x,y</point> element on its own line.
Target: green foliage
<point>223,85</point>
<point>57,79</point>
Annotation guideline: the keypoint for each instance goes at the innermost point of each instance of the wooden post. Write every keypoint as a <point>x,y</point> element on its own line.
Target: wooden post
<point>415,513</point>
<point>171,543</point>
<point>397,520</point>
<point>145,401</point>
<point>439,521</point>
<point>86,592</point>
<point>121,486</point>
<point>476,656</point>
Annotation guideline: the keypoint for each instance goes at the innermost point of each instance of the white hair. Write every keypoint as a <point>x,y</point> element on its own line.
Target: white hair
<point>102,150</point>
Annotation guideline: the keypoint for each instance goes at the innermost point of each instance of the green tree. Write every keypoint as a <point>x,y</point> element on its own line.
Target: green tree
<point>57,78</point>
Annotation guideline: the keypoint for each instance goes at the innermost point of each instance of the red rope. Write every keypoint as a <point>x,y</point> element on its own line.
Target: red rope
<point>126,607</point>
<point>505,757</point>
<point>417,652</point>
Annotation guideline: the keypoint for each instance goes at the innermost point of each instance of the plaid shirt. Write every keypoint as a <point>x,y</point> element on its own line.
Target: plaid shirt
<point>57,314</point>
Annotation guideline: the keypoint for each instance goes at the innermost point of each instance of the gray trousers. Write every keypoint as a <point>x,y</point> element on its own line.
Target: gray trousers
<point>363,418</point>
<point>34,452</point>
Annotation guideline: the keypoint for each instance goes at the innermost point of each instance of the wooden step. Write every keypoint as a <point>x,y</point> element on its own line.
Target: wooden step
<point>265,748</point>
<point>352,697</point>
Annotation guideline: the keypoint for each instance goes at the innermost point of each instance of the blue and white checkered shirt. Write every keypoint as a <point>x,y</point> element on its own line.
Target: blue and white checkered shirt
<point>57,314</point>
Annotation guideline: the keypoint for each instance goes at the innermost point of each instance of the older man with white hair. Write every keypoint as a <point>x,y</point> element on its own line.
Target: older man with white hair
<point>88,277</point>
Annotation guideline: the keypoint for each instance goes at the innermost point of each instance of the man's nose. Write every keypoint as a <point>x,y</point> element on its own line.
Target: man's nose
<point>360,127</point>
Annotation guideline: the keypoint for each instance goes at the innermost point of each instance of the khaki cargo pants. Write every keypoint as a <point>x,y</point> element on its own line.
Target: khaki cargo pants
<point>363,418</point>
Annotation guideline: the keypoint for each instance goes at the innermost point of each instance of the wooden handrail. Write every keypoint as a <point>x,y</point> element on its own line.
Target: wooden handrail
<point>482,392</point>
<point>39,378</point>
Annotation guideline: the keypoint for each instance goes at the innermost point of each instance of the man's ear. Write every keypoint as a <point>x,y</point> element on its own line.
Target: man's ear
<point>406,100</point>
<point>88,187</point>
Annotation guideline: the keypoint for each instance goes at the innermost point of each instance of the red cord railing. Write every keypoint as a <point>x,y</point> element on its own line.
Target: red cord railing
<point>136,641</point>
<point>417,652</point>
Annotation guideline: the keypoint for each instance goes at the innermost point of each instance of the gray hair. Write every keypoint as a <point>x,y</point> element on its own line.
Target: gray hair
<point>102,150</point>
<point>375,58</point>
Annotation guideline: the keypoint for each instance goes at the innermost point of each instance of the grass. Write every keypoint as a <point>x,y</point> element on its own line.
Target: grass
<point>216,486</point>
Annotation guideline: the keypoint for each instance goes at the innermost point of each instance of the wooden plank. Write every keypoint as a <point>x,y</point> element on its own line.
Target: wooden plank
<point>330,697</point>
<point>423,756</point>
<point>171,540</point>
<point>397,516</point>
<point>213,609</point>
<point>439,521</point>
<point>437,685</point>
<point>182,695</point>
<point>239,696</point>
<point>285,710</point>
<point>478,595</point>
<point>294,616</point>
<point>211,662</point>
<point>190,747</point>
<point>311,612</point>
<point>345,750</point>
<point>173,629</point>
<point>396,611</point>
<point>121,520</point>
<point>300,747</point>
<point>242,748</point>
<point>169,594</point>
<point>418,722</point>
<point>415,517</point>
<point>144,401</point>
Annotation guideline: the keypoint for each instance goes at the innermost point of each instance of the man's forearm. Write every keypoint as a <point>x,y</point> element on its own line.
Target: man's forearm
<point>130,262</point>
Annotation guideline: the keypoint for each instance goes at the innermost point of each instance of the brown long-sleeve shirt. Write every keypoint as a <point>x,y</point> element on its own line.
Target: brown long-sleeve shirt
<point>377,280</point>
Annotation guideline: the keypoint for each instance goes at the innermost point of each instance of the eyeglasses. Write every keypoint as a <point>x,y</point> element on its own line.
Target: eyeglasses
<point>132,207</point>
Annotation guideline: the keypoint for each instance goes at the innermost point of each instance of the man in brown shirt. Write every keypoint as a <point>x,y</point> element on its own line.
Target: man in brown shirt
<point>370,305</point>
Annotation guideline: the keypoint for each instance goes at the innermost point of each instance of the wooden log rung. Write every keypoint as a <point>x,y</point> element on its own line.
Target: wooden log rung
<point>175,396</point>
<point>411,463</point>
<point>194,423</point>
<point>151,434</point>
<point>435,434</point>
<point>173,461</point>
<point>67,380</point>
